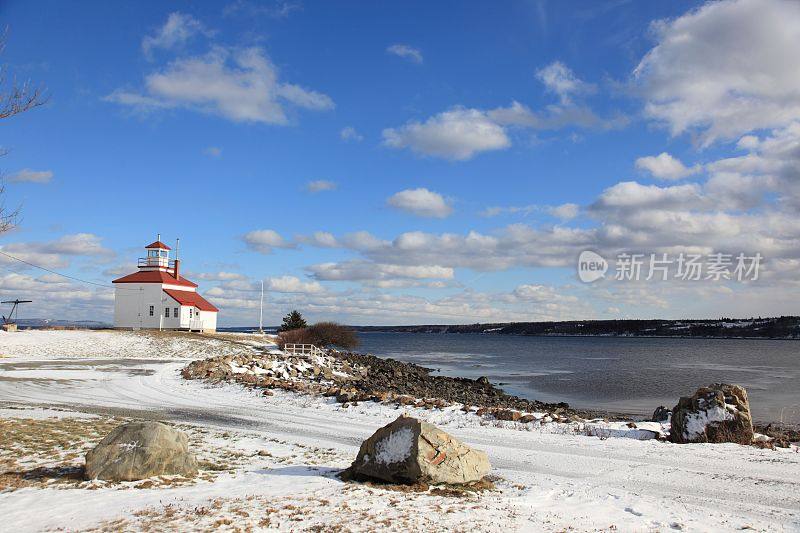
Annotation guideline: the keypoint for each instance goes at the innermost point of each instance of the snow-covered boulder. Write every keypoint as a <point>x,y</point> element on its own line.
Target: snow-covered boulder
<point>410,450</point>
<point>139,450</point>
<point>717,413</point>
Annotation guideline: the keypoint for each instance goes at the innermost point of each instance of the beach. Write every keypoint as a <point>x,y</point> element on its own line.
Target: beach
<point>271,461</point>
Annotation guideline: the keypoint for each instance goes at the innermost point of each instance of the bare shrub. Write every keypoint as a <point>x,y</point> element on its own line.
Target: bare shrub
<point>322,334</point>
<point>294,336</point>
<point>333,334</point>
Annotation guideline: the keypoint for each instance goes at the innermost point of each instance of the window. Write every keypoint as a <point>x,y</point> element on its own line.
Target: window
<point>175,312</point>
<point>152,310</point>
<point>166,312</point>
<point>190,312</point>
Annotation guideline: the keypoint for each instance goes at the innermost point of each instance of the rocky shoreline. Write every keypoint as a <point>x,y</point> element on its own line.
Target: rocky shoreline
<point>351,378</point>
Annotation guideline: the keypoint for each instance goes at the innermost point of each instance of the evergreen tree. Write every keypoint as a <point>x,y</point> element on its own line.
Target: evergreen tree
<point>293,320</point>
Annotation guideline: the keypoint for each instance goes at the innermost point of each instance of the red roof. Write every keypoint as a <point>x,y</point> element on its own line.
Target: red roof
<point>154,276</point>
<point>191,298</point>
<point>158,245</point>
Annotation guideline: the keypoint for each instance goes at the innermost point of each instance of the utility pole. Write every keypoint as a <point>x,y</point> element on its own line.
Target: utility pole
<point>261,311</point>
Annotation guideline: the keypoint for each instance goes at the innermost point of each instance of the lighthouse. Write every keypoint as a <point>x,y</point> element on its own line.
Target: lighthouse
<point>157,296</point>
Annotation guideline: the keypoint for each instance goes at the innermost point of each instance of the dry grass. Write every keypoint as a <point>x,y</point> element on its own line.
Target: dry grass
<point>50,452</point>
<point>43,452</point>
<point>359,509</point>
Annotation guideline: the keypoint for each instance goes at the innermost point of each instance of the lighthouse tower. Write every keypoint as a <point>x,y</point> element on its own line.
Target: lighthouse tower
<point>157,296</point>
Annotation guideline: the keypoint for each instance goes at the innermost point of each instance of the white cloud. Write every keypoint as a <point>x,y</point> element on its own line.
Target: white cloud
<point>559,79</point>
<point>406,52</point>
<point>292,284</point>
<point>276,9</point>
<point>216,276</point>
<point>349,133</point>
<point>76,244</point>
<point>748,142</point>
<point>363,241</point>
<point>119,270</point>
<point>320,186</point>
<point>539,294</point>
<point>56,254</point>
<point>31,176</point>
<point>494,211</point>
<point>264,240</point>
<point>322,239</point>
<point>555,117</point>
<point>457,134</point>
<point>57,297</point>
<point>421,202</point>
<point>772,165</point>
<point>633,195</point>
<point>666,167</point>
<point>724,69</point>
<point>359,270</point>
<point>732,191</point>
<point>373,307</point>
<point>213,151</point>
<point>178,29</point>
<point>460,133</point>
<point>565,211</point>
<point>241,85</point>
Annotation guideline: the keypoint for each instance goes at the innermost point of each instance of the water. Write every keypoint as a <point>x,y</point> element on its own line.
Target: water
<point>631,375</point>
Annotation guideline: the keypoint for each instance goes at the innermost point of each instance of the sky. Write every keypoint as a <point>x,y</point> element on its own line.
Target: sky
<point>408,162</point>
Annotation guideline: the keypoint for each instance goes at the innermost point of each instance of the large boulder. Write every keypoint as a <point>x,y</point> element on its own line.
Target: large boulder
<point>410,451</point>
<point>717,413</point>
<point>139,450</point>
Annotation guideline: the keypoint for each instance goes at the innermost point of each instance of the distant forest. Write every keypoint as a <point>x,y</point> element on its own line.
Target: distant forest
<point>785,327</point>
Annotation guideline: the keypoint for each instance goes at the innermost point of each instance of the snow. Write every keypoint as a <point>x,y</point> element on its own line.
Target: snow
<point>113,344</point>
<point>551,476</point>
<point>395,448</point>
<point>695,424</point>
<point>40,413</point>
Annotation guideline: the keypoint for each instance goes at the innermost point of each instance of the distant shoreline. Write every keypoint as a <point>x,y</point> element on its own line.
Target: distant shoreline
<point>770,328</point>
<point>557,335</point>
<point>774,328</point>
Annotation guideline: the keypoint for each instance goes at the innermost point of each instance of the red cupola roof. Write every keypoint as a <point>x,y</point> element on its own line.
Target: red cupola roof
<point>158,245</point>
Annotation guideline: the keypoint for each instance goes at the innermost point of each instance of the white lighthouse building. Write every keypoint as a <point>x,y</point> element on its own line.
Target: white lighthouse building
<point>158,297</point>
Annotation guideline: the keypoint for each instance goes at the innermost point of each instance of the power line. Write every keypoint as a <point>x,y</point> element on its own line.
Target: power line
<point>105,286</point>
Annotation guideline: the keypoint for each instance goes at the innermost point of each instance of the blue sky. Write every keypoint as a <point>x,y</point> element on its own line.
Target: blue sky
<point>405,162</point>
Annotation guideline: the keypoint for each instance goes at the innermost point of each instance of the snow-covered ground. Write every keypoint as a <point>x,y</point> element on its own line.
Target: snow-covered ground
<point>106,344</point>
<point>290,446</point>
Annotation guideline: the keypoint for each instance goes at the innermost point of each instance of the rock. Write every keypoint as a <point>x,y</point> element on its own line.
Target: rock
<point>661,414</point>
<point>507,414</point>
<point>411,451</point>
<point>717,413</point>
<point>527,419</point>
<point>406,400</point>
<point>139,450</point>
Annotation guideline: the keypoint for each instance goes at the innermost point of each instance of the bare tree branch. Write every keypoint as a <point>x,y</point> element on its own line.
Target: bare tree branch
<point>8,219</point>
<point>14,99</point>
